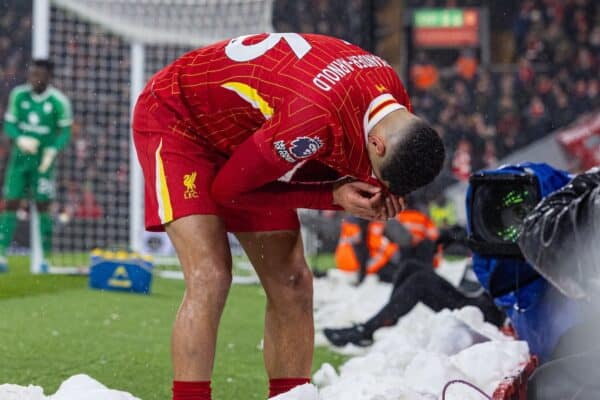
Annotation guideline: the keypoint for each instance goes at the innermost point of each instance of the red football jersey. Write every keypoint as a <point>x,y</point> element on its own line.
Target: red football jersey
<point>305,102</point>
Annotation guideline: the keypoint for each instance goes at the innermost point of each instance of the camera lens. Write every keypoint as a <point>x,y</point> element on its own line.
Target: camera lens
<point>499,210</point>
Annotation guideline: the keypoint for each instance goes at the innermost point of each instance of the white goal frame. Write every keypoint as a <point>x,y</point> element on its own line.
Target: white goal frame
<point>137,42</point>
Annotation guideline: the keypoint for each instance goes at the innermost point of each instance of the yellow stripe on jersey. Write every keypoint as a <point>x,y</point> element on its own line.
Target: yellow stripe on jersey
<point>250,94</point>
<point>165,211</point>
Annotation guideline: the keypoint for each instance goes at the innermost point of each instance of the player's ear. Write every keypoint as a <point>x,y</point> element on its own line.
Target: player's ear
<point>377,143</point>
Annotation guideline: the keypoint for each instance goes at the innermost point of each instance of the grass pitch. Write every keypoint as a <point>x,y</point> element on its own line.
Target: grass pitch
<point>52,327</point>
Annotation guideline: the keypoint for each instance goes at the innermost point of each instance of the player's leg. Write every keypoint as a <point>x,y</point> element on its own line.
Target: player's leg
<point>44,194</point>
<point>178,173</point>
<point>8,224</point>
<point>203,250</point>
<point>45,222</point>
<point>13,191</point>
<point>278,258</point>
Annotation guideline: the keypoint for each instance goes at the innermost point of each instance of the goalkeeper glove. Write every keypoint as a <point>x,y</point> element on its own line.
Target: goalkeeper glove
<point>28,144</point>
<point>47,159</point>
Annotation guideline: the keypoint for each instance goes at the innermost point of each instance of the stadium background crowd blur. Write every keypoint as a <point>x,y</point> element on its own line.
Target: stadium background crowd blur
<point>15,51</point>
<point>544,74</point>
<point>486,113</point>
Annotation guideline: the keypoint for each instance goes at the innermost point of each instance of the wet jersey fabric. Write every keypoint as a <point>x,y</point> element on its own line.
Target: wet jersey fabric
<point>282,107</point>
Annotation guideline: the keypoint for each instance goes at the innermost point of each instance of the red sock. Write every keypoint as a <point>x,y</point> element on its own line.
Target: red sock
<point>282,385</point>
<point>191,390</point>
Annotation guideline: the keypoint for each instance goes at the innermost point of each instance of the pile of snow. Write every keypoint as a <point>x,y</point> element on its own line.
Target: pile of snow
<point>338,302</point>
<point>77,387</point>
<point>416,358</point>
<point>302,392</point>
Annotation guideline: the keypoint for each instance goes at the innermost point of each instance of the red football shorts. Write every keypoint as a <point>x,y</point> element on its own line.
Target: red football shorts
<point>178,174</point>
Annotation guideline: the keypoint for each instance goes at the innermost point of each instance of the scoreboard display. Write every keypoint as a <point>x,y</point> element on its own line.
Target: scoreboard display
<point>446,27</point>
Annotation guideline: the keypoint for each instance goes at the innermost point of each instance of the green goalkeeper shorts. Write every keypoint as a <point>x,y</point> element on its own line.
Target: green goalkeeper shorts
<point>23,181</point>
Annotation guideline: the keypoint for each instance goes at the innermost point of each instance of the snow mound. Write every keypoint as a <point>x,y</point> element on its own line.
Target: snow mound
<point>16,392</point>
<point>338,303</point>
<point>303,392</point>
<point>77,387</point>
<point>414,359</point>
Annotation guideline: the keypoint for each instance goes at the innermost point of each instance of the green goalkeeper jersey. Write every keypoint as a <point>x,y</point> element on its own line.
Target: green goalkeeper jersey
<point>45,116</point>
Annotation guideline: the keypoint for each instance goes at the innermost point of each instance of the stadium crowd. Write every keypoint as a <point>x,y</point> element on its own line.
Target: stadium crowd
<point>15,48</point>
<point>485,114</point>
<point>351,20</point>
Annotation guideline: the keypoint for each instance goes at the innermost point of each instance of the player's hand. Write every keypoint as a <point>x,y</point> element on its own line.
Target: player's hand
<point>359,199</point>
<point>393,205</point>
<point>28,145</point>
<point>387,205</point>
<point>48,157</point>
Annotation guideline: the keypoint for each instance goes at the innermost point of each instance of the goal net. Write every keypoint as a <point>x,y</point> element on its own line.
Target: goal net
<point>104,51</point>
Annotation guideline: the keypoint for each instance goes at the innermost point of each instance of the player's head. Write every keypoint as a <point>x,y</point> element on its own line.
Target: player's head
<point>40,72</point>
<point>405,151</point>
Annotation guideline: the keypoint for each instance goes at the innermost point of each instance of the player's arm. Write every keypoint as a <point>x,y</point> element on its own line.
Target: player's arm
<point>249,179</point>
<point>64,121</point>
<point>26,144</point>
<point>11,127</point>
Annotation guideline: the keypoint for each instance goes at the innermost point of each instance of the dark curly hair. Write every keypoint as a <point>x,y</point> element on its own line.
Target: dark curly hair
<point>414,160</point>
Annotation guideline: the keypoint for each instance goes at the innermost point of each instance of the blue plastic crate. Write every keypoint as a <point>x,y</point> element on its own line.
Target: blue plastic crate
<point>120,273</point>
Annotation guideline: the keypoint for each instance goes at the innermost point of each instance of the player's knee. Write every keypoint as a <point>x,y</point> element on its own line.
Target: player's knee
<point>295,286</point>
<point>202,281</point>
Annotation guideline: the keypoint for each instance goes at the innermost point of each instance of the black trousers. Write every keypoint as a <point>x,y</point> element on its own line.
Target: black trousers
<point>417,282</point>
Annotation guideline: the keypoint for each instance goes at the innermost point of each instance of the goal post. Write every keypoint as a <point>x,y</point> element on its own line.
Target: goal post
<point>104,51</point>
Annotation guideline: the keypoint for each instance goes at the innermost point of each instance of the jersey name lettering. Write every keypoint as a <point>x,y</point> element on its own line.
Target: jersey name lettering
<point>340,67</point>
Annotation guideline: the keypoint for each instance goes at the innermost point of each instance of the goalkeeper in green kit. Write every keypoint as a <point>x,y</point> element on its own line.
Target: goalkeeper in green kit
<point>38,121</point>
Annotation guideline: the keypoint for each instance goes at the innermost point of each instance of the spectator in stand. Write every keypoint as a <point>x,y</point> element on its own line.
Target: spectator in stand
<point>423,73</point>
<point>485,97</point>
<point>538,119</point>
<point>593,93</point>
<point>466,65</point>
<point>563,112</point>
<point>580,101</point>
<point>585,66</point>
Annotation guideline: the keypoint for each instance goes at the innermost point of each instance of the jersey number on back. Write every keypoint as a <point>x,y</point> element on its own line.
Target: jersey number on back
<point>238,51</point>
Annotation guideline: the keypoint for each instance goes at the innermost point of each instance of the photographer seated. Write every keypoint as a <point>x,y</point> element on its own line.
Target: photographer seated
<point>415,281</point>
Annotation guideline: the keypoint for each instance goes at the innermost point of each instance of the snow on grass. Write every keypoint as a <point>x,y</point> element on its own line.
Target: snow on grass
<point>77,387</point>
